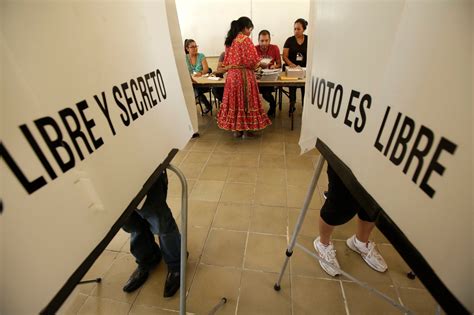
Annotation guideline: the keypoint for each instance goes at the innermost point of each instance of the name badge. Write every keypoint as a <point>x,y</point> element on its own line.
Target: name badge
<point>299,57</point>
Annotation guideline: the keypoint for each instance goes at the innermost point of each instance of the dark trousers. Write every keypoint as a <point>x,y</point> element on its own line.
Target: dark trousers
<point>293,94</point>
<point>155,217</point>
<point>199,94</point>
<point>267,93</point>
<point>340,206</point>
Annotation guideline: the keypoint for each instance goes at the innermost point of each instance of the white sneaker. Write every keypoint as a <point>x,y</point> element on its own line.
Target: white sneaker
<point>369,253</point>
<point>328,253</point>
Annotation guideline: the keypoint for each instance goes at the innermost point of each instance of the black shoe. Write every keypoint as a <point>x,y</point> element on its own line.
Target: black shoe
<point>172,283</point>
<point>271,113</point>
<point>136,280</point>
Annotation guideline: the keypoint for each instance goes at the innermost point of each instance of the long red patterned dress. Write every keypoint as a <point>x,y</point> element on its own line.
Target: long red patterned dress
<point>241,108</point>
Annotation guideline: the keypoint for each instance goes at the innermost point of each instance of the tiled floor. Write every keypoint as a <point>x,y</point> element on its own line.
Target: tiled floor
<point>245,197</point>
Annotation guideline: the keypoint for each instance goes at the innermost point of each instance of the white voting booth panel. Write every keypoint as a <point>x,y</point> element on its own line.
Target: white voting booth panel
<point>389,91</point>
<point>91,105</point>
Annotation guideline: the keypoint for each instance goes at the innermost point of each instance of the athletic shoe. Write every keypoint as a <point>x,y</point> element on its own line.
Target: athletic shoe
<point>328,253</point>
<point>369,253</point>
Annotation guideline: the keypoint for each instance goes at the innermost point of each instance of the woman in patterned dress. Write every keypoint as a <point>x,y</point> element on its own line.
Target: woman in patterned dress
<point>241,110</point>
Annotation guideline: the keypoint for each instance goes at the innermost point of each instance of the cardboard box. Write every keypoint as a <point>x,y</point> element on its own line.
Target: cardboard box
<point>296,72</point>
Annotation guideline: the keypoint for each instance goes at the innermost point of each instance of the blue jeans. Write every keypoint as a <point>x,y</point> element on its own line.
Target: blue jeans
<point>155,217</point>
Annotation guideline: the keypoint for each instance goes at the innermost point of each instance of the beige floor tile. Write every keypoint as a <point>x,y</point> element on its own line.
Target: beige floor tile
<point>292,149</point>
<point>204,145</point>
<point>300,162</point>
<point>149,310</point>
<point>310,224</point>
<point>101,306</point>
<point>197,157</point>
<point>272,220</point>
<point>270,195</point>
<point>188,146</point>
<point>378,237</point>
<point>251,146</point>
<point>227,146</point>
<point>207,190</point>
<point>273,148</point>
<point>242,175</point>
<point>118,241</point>
<point>245,160</point>
<point>362,301</point>
<point>299,177</point>
<point>305,265</point>
<point>224,248</point>
<point>196,239</point>
<point>257,296</point>
<point>175,188</point>
<point>210,285</point>
<point>353,264</point>
<point>418,301</point>
<point>397,268</point>
<point>232,216</point>
<point>73,303</point>
<point>273,137</point>
<point>343,232</point>
<point>201,213</point>
<point>151,293</point>
<point>317,296</point>
<point>98,269</point>
<point>175,204</point>
<point>115,278</point>
<point>265,252</point>
<point>297,196</point>
<point>272,161</point>
<point>211,135</point>
<point>272,176</point>
<point>214,173</point>
<point>220,159</point>
<point>191,170</point>
<point>236,192</point>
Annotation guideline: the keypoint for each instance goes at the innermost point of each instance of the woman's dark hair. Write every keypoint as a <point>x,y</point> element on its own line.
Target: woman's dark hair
<point>236,27</point>
<point>187,42</point>
<point>303,23</point>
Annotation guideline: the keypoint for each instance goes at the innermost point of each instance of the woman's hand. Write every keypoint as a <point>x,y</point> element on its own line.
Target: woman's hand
<point>198,74</point>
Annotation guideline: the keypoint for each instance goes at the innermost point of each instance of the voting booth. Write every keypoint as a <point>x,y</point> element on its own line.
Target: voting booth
<point>389,105</point>
<point>92,104</point>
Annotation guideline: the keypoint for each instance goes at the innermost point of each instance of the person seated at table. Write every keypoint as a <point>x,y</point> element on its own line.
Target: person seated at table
<point>197,66</point>
<point>219,91</point>
<point>295,54</point>
<point>270,59</point>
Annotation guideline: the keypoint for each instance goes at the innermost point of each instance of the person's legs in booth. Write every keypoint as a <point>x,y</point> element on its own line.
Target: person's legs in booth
<point>339,208</point>
<point>159,220</point>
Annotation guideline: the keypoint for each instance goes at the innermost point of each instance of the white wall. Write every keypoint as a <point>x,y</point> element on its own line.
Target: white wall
<point>207,21</point>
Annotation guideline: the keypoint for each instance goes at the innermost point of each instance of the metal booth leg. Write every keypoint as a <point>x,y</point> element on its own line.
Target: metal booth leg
<point>184,244</point>
<point>299,223</point>
<point>184,238</point>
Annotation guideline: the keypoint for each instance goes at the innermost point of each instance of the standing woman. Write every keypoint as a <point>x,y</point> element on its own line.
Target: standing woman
<point>294,54</point>
<point>197,66</point>
<point>241,110</point>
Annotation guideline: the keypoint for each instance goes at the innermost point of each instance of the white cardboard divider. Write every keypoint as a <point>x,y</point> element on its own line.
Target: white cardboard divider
<point>91,105</point>
<point>389,90</point>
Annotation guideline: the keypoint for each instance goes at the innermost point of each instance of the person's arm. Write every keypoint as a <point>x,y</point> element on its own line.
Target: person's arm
<point>286,52</point>
<point>205,67</point>
<point>277,58</point>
